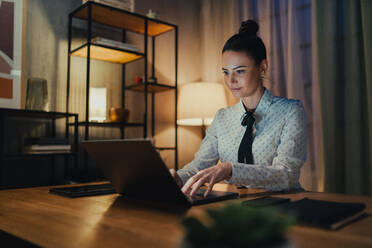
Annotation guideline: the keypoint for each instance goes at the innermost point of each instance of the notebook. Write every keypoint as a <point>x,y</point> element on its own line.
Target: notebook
<point>265,201</point>
<point>85,190</point>
<point>324,214</point>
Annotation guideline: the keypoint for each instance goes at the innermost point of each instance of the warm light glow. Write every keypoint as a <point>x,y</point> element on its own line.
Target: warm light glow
<point>97,104</point>
<point>199,102</point>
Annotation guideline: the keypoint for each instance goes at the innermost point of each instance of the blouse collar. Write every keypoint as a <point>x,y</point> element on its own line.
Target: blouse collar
<point>262,107</point>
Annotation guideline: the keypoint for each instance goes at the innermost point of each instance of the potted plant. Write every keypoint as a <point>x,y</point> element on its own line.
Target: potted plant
<point>235,225</point>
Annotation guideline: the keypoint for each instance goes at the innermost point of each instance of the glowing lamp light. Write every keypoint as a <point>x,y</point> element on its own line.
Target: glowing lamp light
<point>199,102</point>
<point>97,104</point>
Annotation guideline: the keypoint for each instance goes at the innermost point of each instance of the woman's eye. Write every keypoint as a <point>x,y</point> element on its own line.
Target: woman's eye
<point>225,72</point>
<point>240,71</point>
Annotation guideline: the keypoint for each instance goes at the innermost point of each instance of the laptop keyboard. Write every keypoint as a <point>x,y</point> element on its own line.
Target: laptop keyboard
<point>198,195</point>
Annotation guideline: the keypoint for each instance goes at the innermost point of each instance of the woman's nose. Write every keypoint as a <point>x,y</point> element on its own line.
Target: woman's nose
<point>231,79</point>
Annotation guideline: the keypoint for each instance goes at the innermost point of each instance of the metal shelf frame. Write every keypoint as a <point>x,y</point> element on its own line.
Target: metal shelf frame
<point>132,22</point>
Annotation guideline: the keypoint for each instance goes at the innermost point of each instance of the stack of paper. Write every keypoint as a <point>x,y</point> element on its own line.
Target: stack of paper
<point>46,145</point>
<point>121,4</point>
<point>115,44</point>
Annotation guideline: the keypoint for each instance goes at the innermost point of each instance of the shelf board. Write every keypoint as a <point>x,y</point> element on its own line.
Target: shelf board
<point>165,148</point>
<point>41,154</point>
<point>35,113</point>
<point>151,87</point>
<point>109,124</point>
<point>106,53</point>
<point>122,19</point>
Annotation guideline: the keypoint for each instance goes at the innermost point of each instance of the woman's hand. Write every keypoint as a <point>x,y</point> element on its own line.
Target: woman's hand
<point>176,177</point>
<point>210,175</point>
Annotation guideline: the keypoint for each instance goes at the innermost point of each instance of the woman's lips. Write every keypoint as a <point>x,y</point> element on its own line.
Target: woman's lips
<point>235,89</point>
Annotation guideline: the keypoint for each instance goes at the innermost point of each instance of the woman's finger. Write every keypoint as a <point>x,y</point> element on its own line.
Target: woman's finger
<point>172,172</point>
<point>187,187</point>
<point>212,181</point>
<point>198,184</point>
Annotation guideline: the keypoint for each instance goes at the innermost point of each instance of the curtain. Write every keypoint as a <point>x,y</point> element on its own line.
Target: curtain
<point>219,20</point>
<point>285,27</point>
<point>342,71</point>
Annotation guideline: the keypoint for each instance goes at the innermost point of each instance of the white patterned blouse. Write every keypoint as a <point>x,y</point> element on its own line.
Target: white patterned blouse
<point>279,145</point>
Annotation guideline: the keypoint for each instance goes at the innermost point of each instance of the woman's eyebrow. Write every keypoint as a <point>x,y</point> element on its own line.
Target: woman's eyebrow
<point>239,66</point>
<point>236,67</point>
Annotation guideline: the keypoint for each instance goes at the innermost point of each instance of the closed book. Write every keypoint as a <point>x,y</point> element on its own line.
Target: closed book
<point>115,44</point>
<point>122,46</point>
<point>121,4</point>
<point>48,152</point>
<point>47,147</point>
<point>324,214</point>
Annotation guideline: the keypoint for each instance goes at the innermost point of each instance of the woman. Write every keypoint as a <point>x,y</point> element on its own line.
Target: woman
<point>261,141</point>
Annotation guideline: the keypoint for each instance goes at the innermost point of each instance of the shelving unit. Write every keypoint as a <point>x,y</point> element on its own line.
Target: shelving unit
<point>94,12</point>
<point>26,116</point>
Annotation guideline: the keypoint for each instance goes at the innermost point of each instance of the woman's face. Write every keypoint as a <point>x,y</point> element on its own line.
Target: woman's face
<point>241,74</point>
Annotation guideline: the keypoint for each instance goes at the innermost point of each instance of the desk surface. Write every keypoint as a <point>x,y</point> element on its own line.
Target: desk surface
<point>50,220</point>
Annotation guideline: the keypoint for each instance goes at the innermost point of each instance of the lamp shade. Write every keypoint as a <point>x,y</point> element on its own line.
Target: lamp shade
<point>199,102</point>
<point>97,104</point>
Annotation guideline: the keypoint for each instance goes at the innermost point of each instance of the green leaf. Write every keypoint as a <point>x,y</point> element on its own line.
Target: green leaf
<point>235,225</point>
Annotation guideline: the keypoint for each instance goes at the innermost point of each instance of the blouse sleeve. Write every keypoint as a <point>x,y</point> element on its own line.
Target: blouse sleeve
<point>285,169</point>
<point>207,155</point>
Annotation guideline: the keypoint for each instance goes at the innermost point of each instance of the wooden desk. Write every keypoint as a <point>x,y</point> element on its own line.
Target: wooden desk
<point>50,220</point>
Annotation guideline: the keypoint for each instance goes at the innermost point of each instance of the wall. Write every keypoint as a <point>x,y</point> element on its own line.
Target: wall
<point>46,46</point>
<point>186,15</point>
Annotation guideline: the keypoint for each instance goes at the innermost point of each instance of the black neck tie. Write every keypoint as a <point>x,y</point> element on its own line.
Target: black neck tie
<point>245,148</point>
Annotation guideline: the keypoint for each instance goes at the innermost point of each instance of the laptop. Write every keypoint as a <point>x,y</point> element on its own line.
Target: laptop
<point>137,171</point>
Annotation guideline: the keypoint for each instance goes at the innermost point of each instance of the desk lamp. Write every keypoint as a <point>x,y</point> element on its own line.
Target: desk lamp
<point>199,102</point>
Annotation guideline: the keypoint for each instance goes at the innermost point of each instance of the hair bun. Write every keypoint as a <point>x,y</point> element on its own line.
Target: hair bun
<point>249,27</point>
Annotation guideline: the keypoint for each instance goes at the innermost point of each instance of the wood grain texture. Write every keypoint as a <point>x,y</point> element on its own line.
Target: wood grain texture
<point>123,20</point>
<point>106,54</point>
<point>50,220</point>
